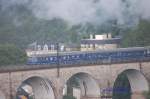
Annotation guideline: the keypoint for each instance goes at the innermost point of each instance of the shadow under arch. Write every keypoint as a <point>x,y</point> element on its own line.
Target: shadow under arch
<point>129,83</point>
<point>36,88</point>
<point>85,83</point>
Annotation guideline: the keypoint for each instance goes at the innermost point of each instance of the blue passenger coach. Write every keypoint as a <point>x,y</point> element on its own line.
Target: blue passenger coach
<point>99,56</point>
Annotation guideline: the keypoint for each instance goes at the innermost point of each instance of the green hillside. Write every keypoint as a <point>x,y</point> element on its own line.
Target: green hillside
<point>138,36</point>
<point>19,27</point>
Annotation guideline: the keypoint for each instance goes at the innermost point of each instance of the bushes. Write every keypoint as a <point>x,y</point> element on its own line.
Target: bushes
<point>11,54</point>
<point>138,36</point>
<point>146,94</point>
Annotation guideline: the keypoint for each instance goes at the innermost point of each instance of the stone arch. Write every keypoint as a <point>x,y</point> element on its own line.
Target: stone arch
<point>2,95</point>
<point>32,74</point>
<point>88,85</point>
<point>37,87</point>
<point>137,83</point>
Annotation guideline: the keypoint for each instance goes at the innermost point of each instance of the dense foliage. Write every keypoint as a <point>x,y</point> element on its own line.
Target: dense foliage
<point>138,36</point>
<point>147,95</point>
<point>10,54</point>
<point>20,27</point>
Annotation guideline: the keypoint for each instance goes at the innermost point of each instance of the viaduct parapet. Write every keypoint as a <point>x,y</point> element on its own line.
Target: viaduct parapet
<point>47,84</point>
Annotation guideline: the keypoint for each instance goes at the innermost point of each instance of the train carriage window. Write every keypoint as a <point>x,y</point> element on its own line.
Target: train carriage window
<point>123,53</point>
<point>126,54</point>
<point>82,56</point>
<point>47,58</point>
<point>111,54</point>
<point>148,51</point>
<point>68,56</point>
<point>33,59</point>
<point>41,58</point>
<point>94,55</point>
<point>77,56</point>
<point>89,56</point>
<point>64,57</point>
<point>44,58</point>
<point>141,53</point>
<point>100,56</point>
<point>119,54</point>
<point>73,56</point>
<point>54,58</point>
<point>51,58</point>
<point>145,52</point>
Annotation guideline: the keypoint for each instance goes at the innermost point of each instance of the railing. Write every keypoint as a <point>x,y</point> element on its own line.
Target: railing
<point>24,67</point>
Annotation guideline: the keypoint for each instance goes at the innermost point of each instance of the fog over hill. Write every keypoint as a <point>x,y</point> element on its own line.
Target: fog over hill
<point>29,20</point>
<point>86,11</point>
<point>23,22</point>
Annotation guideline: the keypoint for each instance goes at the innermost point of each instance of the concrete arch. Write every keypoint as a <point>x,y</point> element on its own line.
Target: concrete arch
<point>37,87</point>
<point>2,95</point>
<point>87,84</point>
<point>137,82</point>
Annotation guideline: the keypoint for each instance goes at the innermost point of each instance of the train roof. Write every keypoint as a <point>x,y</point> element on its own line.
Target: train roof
<point>100,51</point>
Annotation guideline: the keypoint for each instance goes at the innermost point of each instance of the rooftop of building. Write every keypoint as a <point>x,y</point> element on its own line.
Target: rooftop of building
<point>106,41</point>
<point>102,39</point>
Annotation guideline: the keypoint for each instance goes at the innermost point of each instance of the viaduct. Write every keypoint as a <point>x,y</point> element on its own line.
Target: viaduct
<point>48,81</point>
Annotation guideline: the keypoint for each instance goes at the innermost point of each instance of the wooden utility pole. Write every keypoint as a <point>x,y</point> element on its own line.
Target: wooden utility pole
<point>10,86</point>
<point>58,68</point>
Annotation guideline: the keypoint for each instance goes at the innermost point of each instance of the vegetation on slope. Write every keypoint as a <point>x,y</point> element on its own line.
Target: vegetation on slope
<point>138,36</point>
<point>10,54</point>
<point>19,27</point>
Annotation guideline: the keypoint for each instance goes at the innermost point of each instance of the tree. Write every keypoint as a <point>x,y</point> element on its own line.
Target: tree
<point>138,36</point>
<point>11,54</point>
<point>147,95</point>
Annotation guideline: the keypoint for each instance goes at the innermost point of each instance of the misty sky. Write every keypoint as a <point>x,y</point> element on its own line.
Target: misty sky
<point>83,11</point>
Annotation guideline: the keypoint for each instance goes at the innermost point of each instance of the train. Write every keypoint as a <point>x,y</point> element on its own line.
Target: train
<point>98,56</point>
